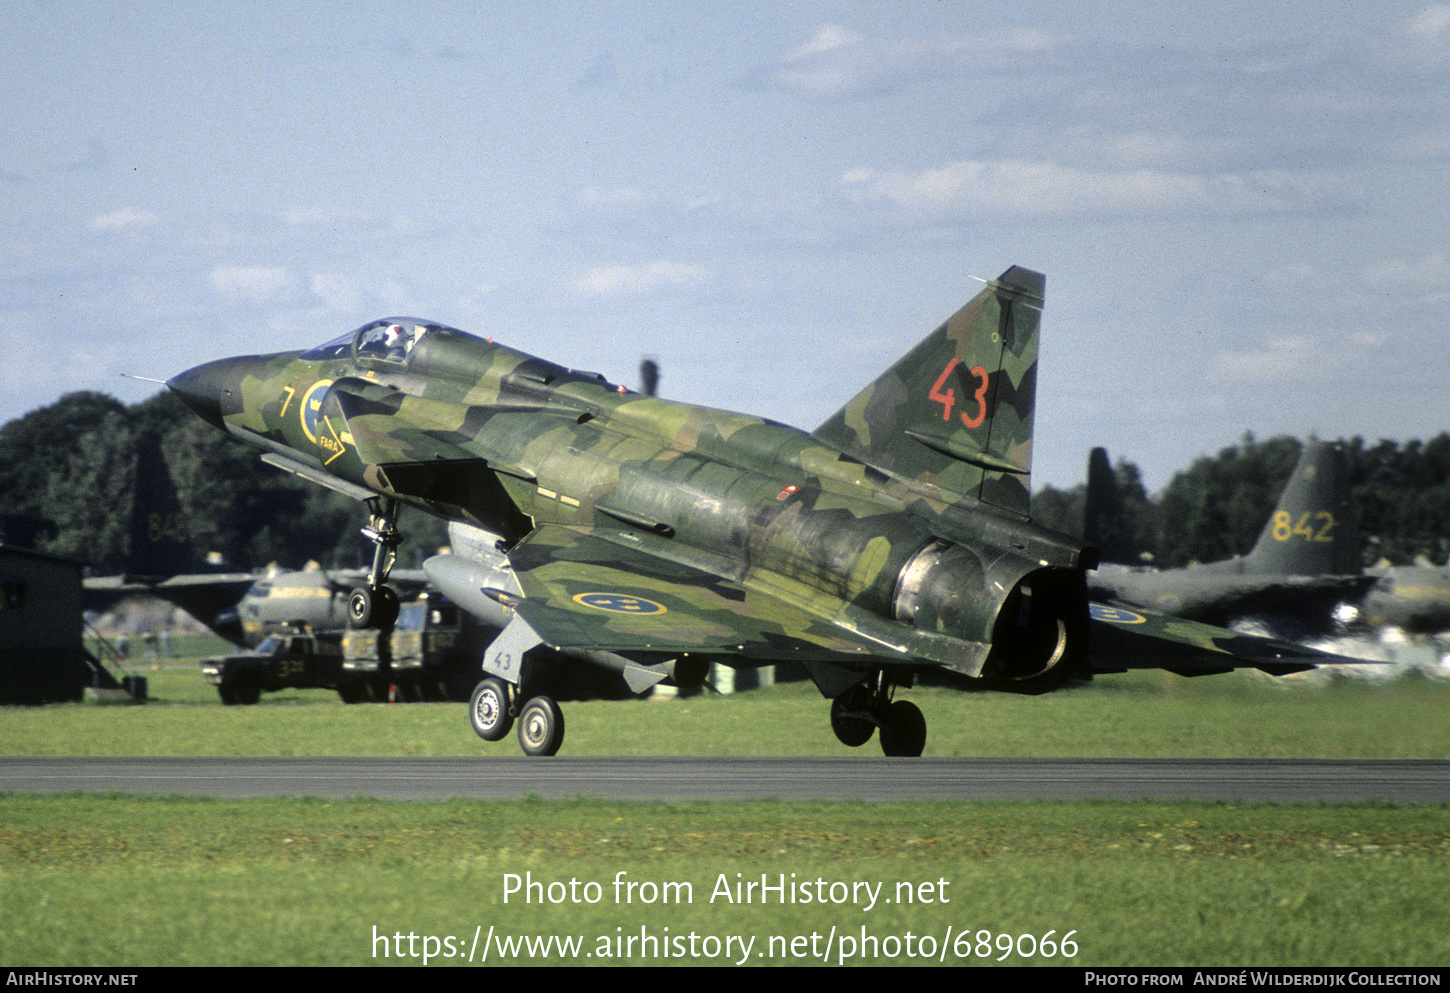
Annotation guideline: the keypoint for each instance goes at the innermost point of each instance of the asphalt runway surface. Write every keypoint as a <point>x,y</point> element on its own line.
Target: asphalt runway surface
<point>681,779</point>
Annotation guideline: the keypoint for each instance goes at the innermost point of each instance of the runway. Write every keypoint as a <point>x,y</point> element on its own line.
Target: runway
<point>684,779</point>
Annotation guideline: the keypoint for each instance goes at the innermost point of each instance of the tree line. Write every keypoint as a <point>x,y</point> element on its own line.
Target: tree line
<point>1215,508</point>
<point>67,473</point>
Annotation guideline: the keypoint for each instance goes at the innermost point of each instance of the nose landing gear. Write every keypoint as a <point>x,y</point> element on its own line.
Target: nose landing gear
<point>376,605</point>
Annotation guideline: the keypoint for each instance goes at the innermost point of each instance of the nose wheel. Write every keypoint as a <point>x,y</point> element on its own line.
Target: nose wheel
<point>373,607</point>
<point>376,604</point>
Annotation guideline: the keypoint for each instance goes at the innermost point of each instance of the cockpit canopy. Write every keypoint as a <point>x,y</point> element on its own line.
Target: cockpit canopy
<point>390,346</point>
<point>388,341</point>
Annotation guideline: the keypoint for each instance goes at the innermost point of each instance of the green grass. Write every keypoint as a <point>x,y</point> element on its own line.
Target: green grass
<point>119,880</point>
<point>1136,715</point>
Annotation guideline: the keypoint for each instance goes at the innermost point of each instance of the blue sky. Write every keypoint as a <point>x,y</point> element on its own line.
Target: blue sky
<point>1240,207</point>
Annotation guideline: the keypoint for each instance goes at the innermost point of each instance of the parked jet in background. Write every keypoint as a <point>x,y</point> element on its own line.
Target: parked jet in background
<point>654,538</point>
<point>162,562</point>
<point>1305,572</point>
<point>242,607</point>
<point>1414,598</point>
<point>1304,565</point>
<point>313,598</point>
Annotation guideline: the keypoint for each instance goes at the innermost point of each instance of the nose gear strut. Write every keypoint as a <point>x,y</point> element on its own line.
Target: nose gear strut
<point>376,604</point>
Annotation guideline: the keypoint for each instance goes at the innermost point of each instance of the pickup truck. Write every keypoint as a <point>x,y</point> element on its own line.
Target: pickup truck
<point>303,660</point>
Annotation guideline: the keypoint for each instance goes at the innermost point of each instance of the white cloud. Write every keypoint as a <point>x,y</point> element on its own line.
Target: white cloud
<point>1299,358</point>
<point>1431,24</point>
<point>641,280</point>
<point>1422,42</point>
<point>838,63</point>
<point>610,199</point>
<point>1297,276</point>
<point>320,217</point>
<point>338,293</point>
<point>1431,272</point>
<point>1417,282</point>
<point>257,285</point>
<point>126,217</point>
<point>829,38</point>
<point>398,299</point>
<point>1045,189</point>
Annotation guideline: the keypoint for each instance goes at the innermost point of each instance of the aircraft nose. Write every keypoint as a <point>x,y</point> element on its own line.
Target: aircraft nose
<point>214,390</point>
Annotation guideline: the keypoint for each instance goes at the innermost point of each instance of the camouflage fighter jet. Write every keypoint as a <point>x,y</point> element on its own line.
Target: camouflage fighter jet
<point>655,538</point>
<point>1305,564</point>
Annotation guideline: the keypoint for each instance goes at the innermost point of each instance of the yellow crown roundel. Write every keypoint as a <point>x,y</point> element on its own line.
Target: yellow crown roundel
<point>620,603</point>
<point>312,407</point>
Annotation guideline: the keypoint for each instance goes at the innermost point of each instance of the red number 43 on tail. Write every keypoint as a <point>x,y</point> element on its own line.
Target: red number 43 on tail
<point>948,398</point>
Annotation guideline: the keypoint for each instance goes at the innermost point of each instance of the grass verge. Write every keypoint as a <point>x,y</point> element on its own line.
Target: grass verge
<point>1144,715</point>
<point>117,880</point>
<point>178,881</point>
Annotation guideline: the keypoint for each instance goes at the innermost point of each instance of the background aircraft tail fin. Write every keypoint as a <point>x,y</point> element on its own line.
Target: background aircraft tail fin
<point>1105,524</point>
<point>1312,531</point>
<point>160,541</point>
<point>957,410</point>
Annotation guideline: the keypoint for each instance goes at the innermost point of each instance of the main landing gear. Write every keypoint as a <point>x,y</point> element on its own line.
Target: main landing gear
<point>494,708</point>
<point>376,605</point>
<point>859,711</point>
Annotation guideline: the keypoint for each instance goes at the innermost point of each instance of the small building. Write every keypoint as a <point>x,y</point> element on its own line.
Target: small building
<point>42,656</point>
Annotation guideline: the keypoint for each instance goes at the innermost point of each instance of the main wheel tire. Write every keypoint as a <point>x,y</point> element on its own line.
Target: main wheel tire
<point>903,729</point>
<point>851,730</point>
<point>541,727</point>
<point>488,710</point>
<point>243,690</point>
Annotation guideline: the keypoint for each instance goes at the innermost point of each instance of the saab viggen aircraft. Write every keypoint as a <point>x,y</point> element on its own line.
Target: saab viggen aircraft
<point>655,538</point>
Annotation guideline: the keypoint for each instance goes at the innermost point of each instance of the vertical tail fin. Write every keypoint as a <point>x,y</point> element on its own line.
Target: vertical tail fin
<point>1105,524</point>
<point>1312,531</point>
<point>957,410</point>
<point>160,543</point>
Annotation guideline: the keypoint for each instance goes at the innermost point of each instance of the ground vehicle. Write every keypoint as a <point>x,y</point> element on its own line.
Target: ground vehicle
<point>298,659</point>
<point>430,653</point>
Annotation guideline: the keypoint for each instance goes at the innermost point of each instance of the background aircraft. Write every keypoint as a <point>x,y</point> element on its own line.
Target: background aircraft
<point>1414,598</point>
<point>242,607</point>
<point>314,598</point>
<point>654,537</point>
<point>162,561</point>
<point>1305,563</point>
<point>1305,574</point>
